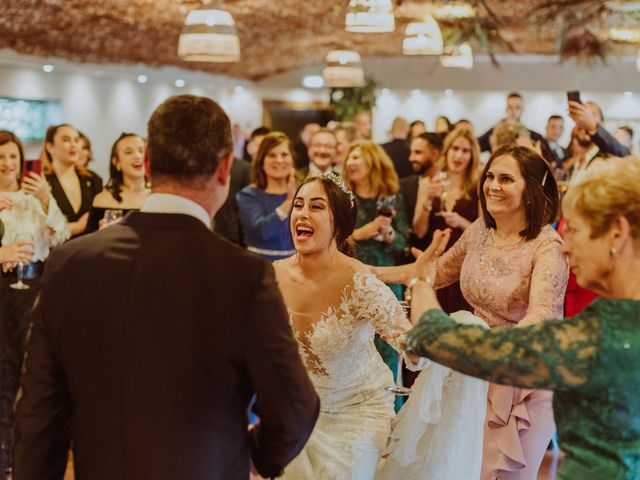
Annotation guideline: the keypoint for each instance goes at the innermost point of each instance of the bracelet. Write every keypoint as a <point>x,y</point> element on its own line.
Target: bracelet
<point>412,283</point>
<point>281,215</point>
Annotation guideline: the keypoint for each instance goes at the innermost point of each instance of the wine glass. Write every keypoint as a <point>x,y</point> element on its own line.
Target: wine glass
<point>442,179</point>
<point>386,208</point>
<point>112,216</point>
<point>20,237</point>
<point>398,388</point>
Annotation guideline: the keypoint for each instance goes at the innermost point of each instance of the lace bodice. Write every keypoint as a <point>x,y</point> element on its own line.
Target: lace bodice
<point>338,347</point>
<point>506,284</point>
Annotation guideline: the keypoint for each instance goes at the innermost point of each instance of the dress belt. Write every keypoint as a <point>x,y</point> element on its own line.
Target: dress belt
<point>271,253</point>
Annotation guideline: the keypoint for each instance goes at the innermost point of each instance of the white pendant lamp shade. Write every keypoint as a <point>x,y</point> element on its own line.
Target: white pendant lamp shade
<point>423,38</point>
<point>626,34</point>
<point>452,10</point>
<point>370,16</point>
<point>209,35</point>
<point>343,69</point>
<point>460,57</point>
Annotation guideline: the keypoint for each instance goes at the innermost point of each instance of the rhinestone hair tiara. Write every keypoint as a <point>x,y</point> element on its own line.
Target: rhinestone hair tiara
<point>337,180</point>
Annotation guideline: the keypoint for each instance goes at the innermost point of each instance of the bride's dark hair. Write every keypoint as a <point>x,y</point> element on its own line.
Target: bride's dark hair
<point>343,209</point>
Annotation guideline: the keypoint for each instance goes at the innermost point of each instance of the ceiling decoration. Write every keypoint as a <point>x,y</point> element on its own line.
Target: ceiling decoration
<point>280,35</point>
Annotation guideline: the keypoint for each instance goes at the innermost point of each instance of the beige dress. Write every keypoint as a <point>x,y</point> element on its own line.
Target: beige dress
<point>504,285</point>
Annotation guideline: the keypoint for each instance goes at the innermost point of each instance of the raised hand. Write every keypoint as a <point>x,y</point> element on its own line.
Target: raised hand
<point>37,186</point>
<point>425,265</point>
<point>15,253</point>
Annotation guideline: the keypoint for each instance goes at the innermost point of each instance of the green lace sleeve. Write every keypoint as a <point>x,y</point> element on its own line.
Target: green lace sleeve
<point>558,354</point>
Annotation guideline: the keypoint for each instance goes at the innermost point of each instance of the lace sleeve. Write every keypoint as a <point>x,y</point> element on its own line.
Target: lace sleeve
<point>553,355</point>
<point>548,283</point>
<point>449,264</point>
<point>383,310</point>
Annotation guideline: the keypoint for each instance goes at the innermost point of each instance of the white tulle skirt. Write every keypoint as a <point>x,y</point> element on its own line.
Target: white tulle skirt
<point>438,433</point>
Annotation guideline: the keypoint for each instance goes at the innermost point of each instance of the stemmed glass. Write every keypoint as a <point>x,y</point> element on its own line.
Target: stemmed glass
<point>20,237</point>
<point>442,179</point>
<point>386,208</point>
<point>398,388</point>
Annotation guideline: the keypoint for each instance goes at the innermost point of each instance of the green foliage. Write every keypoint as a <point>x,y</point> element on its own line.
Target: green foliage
<point>347,102</point>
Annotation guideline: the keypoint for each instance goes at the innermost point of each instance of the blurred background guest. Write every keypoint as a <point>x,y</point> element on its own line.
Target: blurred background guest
<point>362,124</point>
<point>264,206</point>
<point>416,128</point>
<point>85,157</point>
<point>322,154</point>
<point>226,221</point>
<point>554,130</point>
<point>128,186</point>
<point>253,143</point>
<point>443,125</point>
<point>72,185</point>
<point>345,135</point>
<point>301,145</point>
<point>398,148</point>
<point>33,224</point>
<point>624,135</point>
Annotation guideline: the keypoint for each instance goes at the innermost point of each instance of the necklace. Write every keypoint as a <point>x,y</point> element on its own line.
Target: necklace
<point>503,246</point>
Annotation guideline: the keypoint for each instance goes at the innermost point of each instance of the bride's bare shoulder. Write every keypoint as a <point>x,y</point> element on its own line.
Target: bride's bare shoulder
<point>356,265</point>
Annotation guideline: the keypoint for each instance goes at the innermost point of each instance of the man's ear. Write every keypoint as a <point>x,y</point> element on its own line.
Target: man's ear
<point>223,172</point>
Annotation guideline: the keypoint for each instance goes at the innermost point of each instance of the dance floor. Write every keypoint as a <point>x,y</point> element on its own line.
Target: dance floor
<point>548,471</point>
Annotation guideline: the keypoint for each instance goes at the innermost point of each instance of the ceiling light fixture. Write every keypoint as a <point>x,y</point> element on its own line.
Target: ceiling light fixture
<point>343,69</point>
<point>47,68</point>
<point>451,10</point>
<point>370,16</point>
<point>625,34</point>
<point>209,35</point>
<point>313,81</point>
<point>142,79</point>
<point>459,57</point>
<point>180,83</point>
<point>423,38</point>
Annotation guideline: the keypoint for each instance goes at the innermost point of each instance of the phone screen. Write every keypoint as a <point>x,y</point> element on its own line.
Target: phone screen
<point>574,96</point>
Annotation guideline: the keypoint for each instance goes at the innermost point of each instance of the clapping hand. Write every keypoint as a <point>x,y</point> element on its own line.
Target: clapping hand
<point>37,186</point>
<point>425,265</point>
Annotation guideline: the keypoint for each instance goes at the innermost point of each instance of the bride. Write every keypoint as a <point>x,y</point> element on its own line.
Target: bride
<point>336,304</point>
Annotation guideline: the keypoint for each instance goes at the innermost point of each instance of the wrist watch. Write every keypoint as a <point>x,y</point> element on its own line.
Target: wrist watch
<point>591,133</point>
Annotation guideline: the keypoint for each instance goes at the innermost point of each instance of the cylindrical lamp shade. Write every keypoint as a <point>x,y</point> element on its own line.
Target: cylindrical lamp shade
<point>209,35</point>
<point>370,16</point>
<point>423,38</point>
<point>343,69</point>
<point>461,57</point>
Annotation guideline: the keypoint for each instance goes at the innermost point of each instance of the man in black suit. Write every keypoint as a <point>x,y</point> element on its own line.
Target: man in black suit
<point>398,148</point>
<point>554,130</point>
<point>151,336</point>
<point>514,109</point>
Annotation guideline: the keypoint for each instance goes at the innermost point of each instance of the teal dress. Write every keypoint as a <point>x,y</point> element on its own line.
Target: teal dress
<point>591,361</point>
<point>381,254</point>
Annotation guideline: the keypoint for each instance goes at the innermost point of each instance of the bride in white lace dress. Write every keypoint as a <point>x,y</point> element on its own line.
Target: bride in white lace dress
<point>336,304</point>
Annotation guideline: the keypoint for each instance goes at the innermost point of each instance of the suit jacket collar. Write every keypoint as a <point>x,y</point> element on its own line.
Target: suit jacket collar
<point>173,221</point>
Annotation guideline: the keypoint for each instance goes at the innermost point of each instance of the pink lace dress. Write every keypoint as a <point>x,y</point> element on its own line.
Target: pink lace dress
<point>506,285</point>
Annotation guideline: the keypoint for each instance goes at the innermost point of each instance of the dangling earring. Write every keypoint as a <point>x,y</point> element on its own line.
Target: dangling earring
<point>614,253</point>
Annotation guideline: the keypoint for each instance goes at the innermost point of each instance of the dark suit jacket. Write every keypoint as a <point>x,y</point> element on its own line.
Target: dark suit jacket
<point>608,144</point>
<point>226,221</point>
<point>399,151</point>
<point>149,339</point>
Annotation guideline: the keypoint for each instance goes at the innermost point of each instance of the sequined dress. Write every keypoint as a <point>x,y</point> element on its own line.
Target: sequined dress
<point>592,361</point>
<point>505,284</point>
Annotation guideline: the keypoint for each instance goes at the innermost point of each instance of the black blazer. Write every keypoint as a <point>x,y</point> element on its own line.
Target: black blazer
<point>148,341</point>
<point>90,186</point>
<point>398,151</point>
<point>226,221</point>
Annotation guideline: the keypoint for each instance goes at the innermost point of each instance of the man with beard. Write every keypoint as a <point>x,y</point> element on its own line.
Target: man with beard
<point>424,155</point>
<point>589,118</point>
<point>322,154</point>
<point>583,152</point>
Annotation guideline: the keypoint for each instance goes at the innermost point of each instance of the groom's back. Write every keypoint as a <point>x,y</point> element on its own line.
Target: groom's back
<point>150,333</point>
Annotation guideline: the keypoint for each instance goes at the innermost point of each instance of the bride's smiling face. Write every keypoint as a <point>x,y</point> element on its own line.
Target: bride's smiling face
<point>311,219</point>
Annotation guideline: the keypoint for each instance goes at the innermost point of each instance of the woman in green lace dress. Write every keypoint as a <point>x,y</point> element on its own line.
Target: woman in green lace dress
<point>381,227</point>
<point>591,361</point>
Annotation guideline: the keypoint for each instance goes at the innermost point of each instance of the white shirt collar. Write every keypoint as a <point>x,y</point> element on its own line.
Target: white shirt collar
<point>315,171</point>
<point>169,203</point>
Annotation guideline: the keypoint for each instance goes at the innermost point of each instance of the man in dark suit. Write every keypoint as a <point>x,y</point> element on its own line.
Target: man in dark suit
<point>554,130</point>
<point>514,109</point>
<point>323,149</point>
<point>398,148</point>
<point>226,222</point>
<point>151,336</point>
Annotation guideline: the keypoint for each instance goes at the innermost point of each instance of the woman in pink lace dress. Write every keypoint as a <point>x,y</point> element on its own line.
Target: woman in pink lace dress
<point>512,271</point>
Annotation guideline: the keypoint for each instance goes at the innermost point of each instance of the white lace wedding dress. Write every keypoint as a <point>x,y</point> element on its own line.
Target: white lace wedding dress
<point>350,378</point>
<point>356,411</point>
